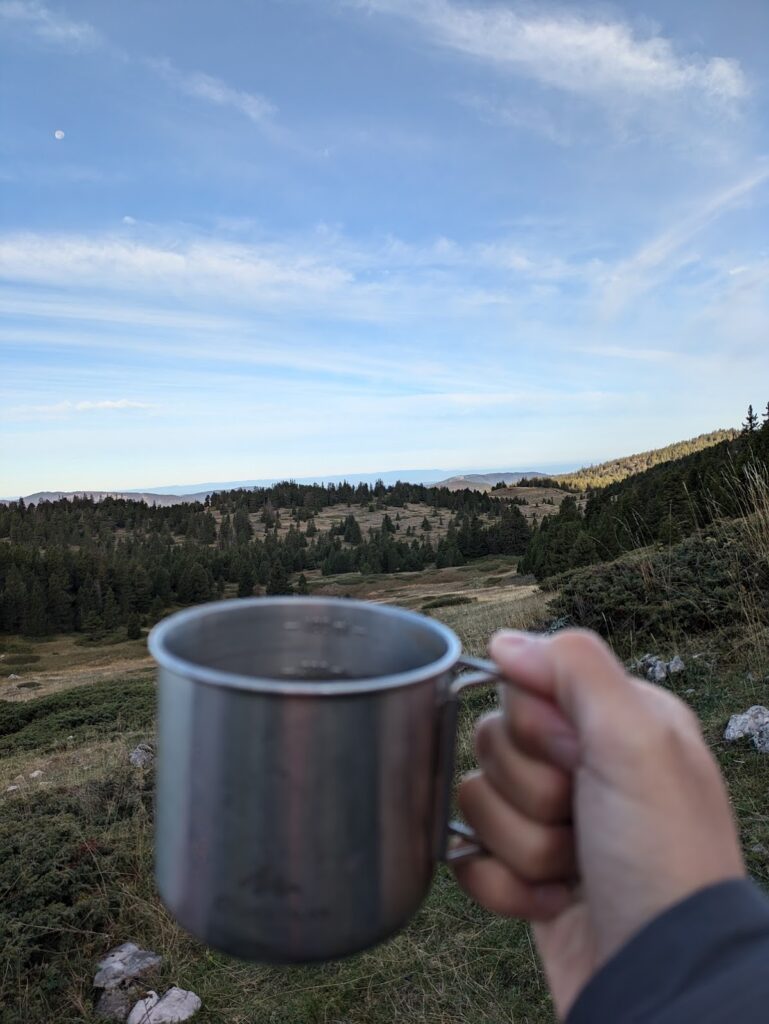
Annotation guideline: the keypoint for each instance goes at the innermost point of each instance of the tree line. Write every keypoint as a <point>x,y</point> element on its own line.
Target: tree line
<point>92,567</point>
<point>591,477</point>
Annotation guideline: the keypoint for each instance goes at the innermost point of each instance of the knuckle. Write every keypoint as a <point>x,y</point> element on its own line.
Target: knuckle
<point>579,643</point>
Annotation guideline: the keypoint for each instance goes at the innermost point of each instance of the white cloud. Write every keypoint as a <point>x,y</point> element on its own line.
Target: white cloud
<point>213,90</point>
<point>654,261</point>
<point>215,268</point>
<point>67,407</point>
<point>49,25</point>
<point>599,58</point>
<point>324,274</point>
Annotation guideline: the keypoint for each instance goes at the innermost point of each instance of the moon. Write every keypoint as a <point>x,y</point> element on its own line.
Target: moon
<point>58,134</point>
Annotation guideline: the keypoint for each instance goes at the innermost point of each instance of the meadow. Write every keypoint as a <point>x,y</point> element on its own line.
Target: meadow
<point>76,817</point>
<point>76,840</point>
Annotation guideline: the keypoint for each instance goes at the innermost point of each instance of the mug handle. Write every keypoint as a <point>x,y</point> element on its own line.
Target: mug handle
<point>484,673</point>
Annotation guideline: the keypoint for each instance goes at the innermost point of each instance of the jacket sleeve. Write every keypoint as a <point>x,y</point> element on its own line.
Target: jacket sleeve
<point>703,961</point>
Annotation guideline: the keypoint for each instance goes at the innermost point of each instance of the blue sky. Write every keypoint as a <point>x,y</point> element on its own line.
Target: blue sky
<point>284,237</point>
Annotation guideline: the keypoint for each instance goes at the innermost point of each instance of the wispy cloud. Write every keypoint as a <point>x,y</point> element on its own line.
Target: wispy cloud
<point>572,52</point>
<point>66,408</point>
<point>213,90</point>
<point>50,26</point>
<point>318,274</point>
<point>655,260</point>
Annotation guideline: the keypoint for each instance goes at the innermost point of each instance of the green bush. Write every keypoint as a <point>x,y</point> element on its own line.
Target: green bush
<point>104,709</point>
<point>701,584</point>
<point>65,856</point>
<point>17,660</point>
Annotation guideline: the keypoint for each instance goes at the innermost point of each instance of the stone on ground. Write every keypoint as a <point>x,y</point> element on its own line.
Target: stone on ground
<point>175,1006</point>
<point>748,724</point>
<point>142,756</point>
<point>123,965</point>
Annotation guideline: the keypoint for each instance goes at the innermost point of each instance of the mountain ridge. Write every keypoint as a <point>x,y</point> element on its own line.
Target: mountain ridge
<point>177,494</point>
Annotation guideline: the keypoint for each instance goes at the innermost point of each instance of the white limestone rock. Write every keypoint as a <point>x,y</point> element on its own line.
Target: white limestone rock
<point>761,739</point>
<point>748,724</point>
<point>114,1004</point>
<point>175,1006</point>
<point>123,965</point>
<point>142,756</point>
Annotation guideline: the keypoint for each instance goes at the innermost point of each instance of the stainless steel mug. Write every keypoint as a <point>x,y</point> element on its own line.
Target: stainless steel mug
<point>305,763</point>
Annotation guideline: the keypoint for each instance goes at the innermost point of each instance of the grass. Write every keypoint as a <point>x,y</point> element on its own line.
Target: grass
<point>449,599</point>
<point>76,879</point>
<point>475,623</point>
<point>76,850</point>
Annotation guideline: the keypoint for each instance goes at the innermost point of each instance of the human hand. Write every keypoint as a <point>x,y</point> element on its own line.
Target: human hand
<point>597,799</point>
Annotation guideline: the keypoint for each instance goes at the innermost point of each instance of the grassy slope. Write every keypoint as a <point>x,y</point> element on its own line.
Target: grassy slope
<point>76,878</point>
<point>76,854</point>
<point>619,469</point>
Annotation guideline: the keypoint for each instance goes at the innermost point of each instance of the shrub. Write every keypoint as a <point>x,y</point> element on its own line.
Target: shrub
<point>448,600</point>
<point>104,709</point>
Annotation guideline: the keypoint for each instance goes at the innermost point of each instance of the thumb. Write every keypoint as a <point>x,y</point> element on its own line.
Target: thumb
<point>578,673</point>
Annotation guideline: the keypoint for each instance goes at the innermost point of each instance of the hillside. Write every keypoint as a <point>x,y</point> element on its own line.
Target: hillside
<point>664,504</point>
<point>486,481</point>
<point>605,473</point>
<point>96,566</point>
<point>81,580</point>
<point>146,496</point>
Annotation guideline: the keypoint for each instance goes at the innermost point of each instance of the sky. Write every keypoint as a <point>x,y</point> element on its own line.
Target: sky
<point>273,238</point>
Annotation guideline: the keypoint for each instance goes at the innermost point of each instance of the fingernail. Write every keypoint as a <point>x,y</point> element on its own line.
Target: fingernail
<point>510,640</point>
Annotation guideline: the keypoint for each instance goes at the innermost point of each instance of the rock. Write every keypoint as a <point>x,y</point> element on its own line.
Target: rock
<point>11,789</point>
<point>556,625</point>
<point>651,666</point>
<point>175,1006</point>
<point>123,964</point>
<point>676,666</point>
<point>761,739</point>
<point>747,724</point>
<point>115,1003</point>
<point>140,1012</point>
<point>142,756</point>
<point>657,672</point>
<point>14,676</point>
<point>36,775</point>
<point>759,849</point>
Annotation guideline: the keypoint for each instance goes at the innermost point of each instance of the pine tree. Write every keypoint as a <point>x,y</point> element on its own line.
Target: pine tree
<point>301,585</point>
<point>246,580</point>
<point>133,630</point>
<point>242,527</point>
<point>426,525</point>
<point>278,582</point>
<point>751,422</point>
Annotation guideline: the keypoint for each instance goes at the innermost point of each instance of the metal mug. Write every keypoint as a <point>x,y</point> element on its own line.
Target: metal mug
<point>305,767</point>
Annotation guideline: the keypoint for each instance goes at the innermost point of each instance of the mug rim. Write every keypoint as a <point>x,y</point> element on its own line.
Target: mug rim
<point>157,643</point>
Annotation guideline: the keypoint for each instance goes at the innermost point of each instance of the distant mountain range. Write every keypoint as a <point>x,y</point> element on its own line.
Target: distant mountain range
<point>175,494</point>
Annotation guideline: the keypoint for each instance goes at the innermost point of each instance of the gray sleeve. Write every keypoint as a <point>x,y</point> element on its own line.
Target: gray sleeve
<point>704,961</point>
